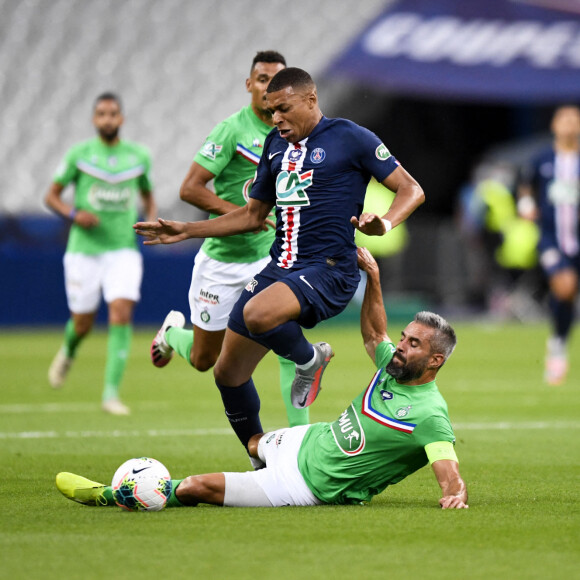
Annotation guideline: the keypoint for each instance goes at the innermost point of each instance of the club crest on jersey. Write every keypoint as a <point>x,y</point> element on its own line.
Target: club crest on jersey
<point>211,150</point>
<point>348,432</point>
<point>382,152</point>
<point>318,155</point>
<point>294,155</point>
<point>291,188</point>
<point>403,412</point>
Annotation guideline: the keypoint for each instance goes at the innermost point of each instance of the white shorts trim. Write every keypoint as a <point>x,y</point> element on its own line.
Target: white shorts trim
<point>280,481</point>
<point>116,274</point>
<point>215,288</point>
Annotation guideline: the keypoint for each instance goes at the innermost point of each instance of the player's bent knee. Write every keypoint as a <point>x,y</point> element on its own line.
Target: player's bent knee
<point>256,320</point>
<point>203,362</point>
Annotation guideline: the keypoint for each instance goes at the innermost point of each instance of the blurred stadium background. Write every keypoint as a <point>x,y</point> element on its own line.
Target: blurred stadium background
<point>456,90</point>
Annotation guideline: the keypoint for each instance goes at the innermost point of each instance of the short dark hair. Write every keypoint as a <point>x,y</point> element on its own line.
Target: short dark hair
<point>444,338</point>
<point>290,77</point>
<point>108,96</point>
<point>267,56</point>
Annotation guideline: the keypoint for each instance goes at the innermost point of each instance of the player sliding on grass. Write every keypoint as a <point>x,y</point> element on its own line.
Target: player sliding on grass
<point>315,171</point>
<point>392,429</point>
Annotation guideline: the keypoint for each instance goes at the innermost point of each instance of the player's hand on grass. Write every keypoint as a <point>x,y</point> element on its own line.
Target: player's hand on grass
<point>370,224</point>
<point>161,232</point>
<point>365,260</point>
<point>452,502</point>
<point>85,219</point>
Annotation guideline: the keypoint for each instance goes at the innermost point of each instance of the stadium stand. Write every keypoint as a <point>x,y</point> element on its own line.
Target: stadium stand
<point>179,66</point>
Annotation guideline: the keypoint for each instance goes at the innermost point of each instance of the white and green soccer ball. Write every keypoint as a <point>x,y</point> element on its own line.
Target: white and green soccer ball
<point>141,484</point>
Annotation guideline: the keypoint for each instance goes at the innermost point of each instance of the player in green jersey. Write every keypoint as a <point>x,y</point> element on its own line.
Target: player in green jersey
<point>102,254</point>
<point>224,266</point>
<point>398,424</point>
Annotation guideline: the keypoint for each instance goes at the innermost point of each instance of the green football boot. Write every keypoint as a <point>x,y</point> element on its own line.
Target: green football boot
<point>83,490</point>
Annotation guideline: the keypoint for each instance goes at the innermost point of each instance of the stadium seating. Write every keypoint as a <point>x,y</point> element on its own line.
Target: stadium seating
<point>179,65</point>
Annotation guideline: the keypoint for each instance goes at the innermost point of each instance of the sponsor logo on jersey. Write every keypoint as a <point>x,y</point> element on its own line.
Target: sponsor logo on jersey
<point>206,296</point>
<point>382,152</point>
<point>386,395</point>
<point>112,199</point>
<point>318,155</point>
<point>348,432</point>
<point>562,192</point>
<point>247,188</point>
<point>205,317</point>
<point>251,285</point>
<point>211,150</point>
<point>291,188</point>
<point>257,143</point>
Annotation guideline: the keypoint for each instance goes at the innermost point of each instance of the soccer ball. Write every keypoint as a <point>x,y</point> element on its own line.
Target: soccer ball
<point>141,484</point>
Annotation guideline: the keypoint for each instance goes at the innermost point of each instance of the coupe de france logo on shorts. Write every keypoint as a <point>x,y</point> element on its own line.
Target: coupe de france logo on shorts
<point>251,285</point>
<point>382,152</point>
<point>318,155</point>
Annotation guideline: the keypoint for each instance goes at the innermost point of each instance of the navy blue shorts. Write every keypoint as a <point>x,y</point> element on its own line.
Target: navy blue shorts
<point>553,260</point>
<point>323,291</point>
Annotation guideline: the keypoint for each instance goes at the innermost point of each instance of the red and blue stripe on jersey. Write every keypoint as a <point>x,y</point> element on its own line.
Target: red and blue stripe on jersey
<point>378,416</point>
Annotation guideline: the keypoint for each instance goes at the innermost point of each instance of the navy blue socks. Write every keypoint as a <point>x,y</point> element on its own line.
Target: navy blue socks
<point>242,406</point>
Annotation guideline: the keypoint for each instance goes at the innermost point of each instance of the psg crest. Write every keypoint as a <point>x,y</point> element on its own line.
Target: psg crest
<point>317,155</point>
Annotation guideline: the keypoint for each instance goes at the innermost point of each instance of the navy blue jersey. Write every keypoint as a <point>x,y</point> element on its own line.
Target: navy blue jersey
<point>317,185</point>
<point>555,178</point>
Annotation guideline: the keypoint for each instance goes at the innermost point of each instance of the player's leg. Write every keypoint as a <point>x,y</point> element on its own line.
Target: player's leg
<point>271,318</point>
<point>123,272</point>
<point>233,377</point>
<point>83,291</point>
<point>563,290</point>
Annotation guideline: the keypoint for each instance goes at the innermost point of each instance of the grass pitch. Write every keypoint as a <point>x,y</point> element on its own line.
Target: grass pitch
<point>517,441</point>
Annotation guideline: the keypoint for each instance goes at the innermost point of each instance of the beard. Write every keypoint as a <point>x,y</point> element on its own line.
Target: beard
<point>109,134</point>
<point>403,372</point>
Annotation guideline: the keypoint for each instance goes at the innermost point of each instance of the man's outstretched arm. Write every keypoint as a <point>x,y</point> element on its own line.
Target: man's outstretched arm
<point>373,318</point>
<point>453,490</point>
<point>248,218</point>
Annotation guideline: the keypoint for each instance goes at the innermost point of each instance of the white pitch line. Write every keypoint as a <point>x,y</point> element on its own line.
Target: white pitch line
<point>117,433</point>
<point>68,407</point>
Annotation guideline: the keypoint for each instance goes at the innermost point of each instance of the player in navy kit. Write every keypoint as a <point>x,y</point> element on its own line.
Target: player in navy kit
<point>315,171</point>
<point>550,193</point>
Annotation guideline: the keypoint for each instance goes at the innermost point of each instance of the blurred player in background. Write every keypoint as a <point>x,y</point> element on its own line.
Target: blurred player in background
<point>315,171</point>
<point>395,426</point>
<point>550,192</point>
<point>102,254</point>
<point>223,266</point>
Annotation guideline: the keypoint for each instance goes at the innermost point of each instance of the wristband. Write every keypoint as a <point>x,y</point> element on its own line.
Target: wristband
<point>388,225</point>
<point>72,214</point>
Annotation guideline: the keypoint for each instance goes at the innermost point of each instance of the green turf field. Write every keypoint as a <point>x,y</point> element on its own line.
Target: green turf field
<point>518,443</point>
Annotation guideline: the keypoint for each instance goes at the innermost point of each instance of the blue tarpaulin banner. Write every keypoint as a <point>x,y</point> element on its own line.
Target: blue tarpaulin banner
<point>492,50</point>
